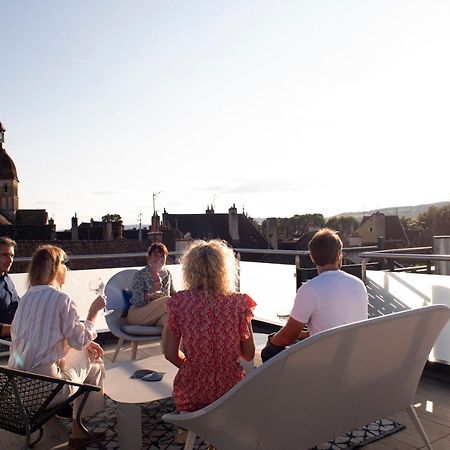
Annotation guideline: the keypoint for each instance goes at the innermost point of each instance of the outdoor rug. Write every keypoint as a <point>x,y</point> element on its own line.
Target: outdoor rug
<point>159,435</point>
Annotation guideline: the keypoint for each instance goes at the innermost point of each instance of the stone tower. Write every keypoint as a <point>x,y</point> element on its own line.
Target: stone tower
<point>9,183</point>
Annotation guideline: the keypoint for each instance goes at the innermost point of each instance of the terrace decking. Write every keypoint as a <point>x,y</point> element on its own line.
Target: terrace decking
<point>433,400</point>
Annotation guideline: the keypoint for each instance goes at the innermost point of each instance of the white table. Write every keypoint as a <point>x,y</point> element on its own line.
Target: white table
<point>130,392</point>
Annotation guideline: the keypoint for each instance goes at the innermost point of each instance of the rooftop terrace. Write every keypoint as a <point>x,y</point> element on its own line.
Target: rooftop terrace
<point>388,291</point>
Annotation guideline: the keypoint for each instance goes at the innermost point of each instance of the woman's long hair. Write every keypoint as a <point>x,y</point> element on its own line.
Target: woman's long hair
<point>44,264</point>
<point>211,267</point>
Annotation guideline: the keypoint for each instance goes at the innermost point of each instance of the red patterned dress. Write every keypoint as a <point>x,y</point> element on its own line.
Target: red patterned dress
<point>211,328</point>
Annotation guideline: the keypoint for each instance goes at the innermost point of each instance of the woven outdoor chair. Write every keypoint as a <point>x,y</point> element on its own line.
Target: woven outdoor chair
<point>24,400</point>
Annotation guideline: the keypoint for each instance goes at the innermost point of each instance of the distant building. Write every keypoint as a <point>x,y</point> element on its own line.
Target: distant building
<point>95,230</point>
<point>20,224</point>
<point>377,226</point>
<point>238,230</point>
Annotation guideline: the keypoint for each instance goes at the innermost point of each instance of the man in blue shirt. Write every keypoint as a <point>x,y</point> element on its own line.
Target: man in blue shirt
<point>8,295</point>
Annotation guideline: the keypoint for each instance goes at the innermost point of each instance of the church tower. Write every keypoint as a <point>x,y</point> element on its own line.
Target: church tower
<point>9,183</point>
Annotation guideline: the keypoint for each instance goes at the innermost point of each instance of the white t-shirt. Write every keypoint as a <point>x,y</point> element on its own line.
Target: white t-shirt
<point>331,299</point>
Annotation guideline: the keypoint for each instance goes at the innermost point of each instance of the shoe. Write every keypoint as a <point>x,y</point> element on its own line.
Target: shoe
<point>65,413</point>
<point>80,443</point>
<point>181,436</point>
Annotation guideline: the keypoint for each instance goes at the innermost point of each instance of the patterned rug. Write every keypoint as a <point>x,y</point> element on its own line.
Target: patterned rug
<point>159,435</point>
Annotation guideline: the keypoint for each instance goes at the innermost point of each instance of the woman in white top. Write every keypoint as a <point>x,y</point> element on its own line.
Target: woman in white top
<point>48,337</point>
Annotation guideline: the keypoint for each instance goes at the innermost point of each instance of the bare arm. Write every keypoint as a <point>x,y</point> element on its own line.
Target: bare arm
<point>172,350</point>
<point>248,346</point>
<point>98,304</point>
<point>288,334</point>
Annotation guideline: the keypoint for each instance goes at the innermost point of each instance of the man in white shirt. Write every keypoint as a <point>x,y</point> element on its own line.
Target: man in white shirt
<point>331,299</point>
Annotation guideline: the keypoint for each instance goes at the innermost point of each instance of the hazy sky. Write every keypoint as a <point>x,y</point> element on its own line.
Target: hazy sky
<point>283,107</point>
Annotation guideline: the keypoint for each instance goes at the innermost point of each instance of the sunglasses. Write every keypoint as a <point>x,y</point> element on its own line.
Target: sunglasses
<point>65,262</point>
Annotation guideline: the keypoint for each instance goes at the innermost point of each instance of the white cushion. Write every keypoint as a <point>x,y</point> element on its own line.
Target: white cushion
<point>141,330</point>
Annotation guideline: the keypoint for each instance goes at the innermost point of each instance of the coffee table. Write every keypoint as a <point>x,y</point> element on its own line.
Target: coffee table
<point>129,393</point>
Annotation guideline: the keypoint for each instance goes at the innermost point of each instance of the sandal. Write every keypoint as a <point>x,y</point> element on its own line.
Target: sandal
<point>80,443</point>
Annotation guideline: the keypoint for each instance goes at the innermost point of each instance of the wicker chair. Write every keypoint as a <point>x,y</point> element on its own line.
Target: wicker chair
<point>24,401</point>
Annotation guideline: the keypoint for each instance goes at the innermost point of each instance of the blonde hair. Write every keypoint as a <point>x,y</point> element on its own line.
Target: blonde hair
<point>210,266</point>
<point>44,264</point>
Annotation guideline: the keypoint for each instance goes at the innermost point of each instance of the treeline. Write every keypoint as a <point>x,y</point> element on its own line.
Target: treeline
<point>420,230</point>
<point>293,227</point>
<point>434,222</point>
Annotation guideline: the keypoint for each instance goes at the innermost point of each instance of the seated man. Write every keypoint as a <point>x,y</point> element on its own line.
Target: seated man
<point>331,299</point>
<point>8,295</point>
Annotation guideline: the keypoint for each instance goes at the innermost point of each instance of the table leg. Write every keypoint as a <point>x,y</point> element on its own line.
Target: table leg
<point>129,426</point>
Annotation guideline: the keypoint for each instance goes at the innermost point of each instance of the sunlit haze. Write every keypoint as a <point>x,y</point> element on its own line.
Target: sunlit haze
<point>282,108</point>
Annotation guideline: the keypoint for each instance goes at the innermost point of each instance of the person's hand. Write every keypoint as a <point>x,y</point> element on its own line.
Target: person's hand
<point>157,286</point>
<point>5,330</point>
<point>98,304</point>
<point>270,350</point>
<point>95,351</point>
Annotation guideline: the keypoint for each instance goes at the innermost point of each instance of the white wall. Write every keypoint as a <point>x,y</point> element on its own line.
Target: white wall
<point>410,290</point>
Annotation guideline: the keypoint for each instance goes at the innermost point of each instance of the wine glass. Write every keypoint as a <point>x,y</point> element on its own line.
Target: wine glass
<point>160,281</point>
<point>97,286</point>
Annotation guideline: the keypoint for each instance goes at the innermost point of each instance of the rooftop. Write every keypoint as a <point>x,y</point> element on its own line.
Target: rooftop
<point>432,405</point>
<point>388,291</point>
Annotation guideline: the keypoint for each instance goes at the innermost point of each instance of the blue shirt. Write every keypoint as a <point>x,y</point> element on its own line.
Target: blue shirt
<point>8,300</point>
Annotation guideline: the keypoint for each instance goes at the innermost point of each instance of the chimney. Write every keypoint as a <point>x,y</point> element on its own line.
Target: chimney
<point>52,226</point>
<point>165,220</point>
<point>107,231</point>
<point>272,234</point>
<point>74,228</point>
<point>155,223</point>
<point>233,224</point>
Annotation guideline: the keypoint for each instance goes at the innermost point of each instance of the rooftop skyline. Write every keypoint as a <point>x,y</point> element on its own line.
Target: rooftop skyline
<point>283,108</point>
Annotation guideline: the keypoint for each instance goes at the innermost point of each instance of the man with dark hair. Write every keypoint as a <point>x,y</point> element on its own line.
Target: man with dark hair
<point>331,299</point>
<point>8,295</point>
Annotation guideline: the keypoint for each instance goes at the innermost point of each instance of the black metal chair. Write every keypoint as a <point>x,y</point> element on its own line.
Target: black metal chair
<point>25,398</point>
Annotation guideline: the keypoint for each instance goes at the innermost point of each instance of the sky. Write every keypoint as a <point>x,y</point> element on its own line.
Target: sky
<point>279,107</point>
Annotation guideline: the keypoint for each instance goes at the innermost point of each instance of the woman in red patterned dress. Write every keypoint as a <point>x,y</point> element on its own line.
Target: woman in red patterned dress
<point>213,322</point>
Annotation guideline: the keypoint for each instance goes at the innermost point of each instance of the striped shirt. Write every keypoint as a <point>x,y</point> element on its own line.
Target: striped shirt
<point>45,319</point>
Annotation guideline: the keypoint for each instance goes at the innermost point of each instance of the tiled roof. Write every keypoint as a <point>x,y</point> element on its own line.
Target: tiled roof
<point>394,229</point>
<point>215,226</point>
<point>31,217</point>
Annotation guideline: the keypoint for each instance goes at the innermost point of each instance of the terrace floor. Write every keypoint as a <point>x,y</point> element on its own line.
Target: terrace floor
<point>433,408</point>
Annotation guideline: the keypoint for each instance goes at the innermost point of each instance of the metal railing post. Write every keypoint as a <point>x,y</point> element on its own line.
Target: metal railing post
<point>238,258</point>
<point>363,269</point>
<point>298,275</point>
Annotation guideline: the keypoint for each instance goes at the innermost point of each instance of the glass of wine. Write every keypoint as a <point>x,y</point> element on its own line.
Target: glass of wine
<point>97,286</point>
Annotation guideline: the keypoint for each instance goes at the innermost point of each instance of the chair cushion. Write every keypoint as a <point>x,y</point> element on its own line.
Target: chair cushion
<point>141,330</point>
<point>126,295</point>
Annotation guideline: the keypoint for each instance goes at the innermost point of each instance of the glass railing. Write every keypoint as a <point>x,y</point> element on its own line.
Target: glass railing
<point>273,287</point>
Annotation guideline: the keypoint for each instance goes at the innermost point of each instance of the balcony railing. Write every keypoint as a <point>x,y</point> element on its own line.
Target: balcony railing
<point>273,286</point>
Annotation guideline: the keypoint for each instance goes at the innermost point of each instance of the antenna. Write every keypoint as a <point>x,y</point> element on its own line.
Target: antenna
<point>154,203</point>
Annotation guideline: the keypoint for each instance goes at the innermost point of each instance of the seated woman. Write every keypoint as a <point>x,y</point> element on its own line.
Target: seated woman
<point>213,322</point>
<point>48,337</point>
<point>151,288</point>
